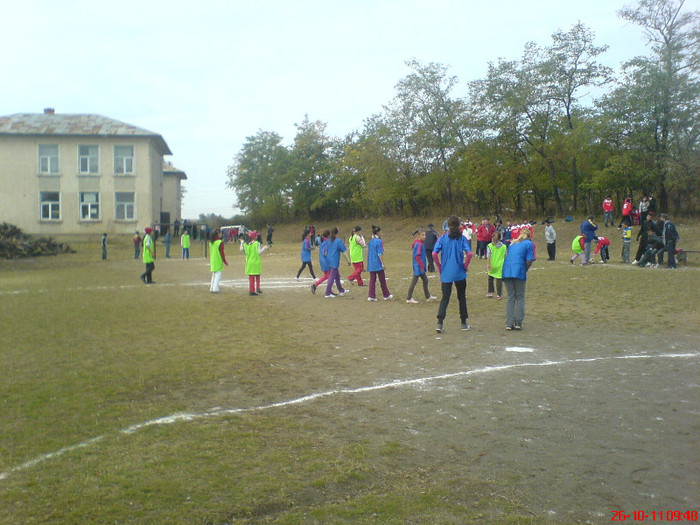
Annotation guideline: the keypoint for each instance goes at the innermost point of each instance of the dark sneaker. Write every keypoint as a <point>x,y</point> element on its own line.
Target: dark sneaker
<point>252,293</point>
<point>259,290</point>
<point>313,288</point>
<point>439,329</point>
<point>465,327</point>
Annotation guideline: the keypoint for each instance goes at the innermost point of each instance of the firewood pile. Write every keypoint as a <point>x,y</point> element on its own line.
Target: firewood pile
<point>15,244</point>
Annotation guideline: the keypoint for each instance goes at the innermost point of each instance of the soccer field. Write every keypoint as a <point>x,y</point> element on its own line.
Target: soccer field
<point>126,403</point>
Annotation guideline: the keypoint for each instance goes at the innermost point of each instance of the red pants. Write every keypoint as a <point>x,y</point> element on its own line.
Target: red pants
<point>357,274</point>
<point>326,274</point>
<point>253,283</point>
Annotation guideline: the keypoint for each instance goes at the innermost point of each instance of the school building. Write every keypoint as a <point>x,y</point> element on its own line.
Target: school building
<point>73,174</point>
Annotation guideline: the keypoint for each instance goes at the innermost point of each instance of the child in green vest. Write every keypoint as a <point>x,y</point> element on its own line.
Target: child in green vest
<point>217,259</point>
<point>253,267</point>
<point>495,255</point>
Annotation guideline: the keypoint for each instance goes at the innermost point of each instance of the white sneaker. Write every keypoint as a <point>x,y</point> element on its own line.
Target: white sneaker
<point>412,301</point>
<point>330,296</point>
<point>635,262</point>
<point>372,299</point>
<point>431,298</point>
<point>389,298</point>
<point>343,294</point>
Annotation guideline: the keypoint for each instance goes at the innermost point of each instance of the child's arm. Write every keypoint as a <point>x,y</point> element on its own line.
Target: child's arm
<point>223,255</point>
<point>262,249</point>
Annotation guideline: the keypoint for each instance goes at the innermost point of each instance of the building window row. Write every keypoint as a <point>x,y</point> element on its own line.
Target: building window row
<point>89,206</point>
<point>88,159</point>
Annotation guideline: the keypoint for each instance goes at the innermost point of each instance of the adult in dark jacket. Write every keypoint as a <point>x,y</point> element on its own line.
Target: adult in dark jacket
<point>669,236</point>
<point>588,228</point>
<point>431,238</point>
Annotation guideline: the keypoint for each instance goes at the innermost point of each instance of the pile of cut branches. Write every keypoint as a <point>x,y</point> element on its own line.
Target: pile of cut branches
<point>15,244</point>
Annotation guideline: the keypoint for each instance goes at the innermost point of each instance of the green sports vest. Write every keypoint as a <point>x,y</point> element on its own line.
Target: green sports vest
<point>498,255</point>
<point>215,261</point>
<point>355,250</point>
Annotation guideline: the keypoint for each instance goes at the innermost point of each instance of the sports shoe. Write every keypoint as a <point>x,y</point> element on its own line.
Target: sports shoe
<point>465,327</point>
<point>489,295</point>
<point>259,290</point>
<point>372,299</point>
<point>431,298</point>
<point>412,301</point>
<point>313,289</point>
<point>344,293</point>
<point>572,261</point>
<point>389,297</point>
<point>438,328</point>
<point>509,327</point>
<point>498,297</point>
<point>330,296</point>
<point>517,327</point>
<point>252,293</point>
<point>635,262</point>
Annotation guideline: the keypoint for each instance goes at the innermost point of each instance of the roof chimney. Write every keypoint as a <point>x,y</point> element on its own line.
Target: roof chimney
<point>49,111</point>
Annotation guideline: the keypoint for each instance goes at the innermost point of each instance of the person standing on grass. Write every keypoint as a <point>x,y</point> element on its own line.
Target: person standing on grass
<point>137,244</point>
<point>588,229</point>
<point>608,211</point>
<point>670,237</point>
<point>626,244</point>
<point>550,235</point>
<point>253,266</point>
<point>452,255</point>
<point>484,235</point>
<point>419,258</point>
<point>495,255</point>
<point>149,256</point>
<point>306,248</point>
<point>578,246</point>
<point>334,247</point>
<point>515,266</point>
<point>167,244</point>
<point>322,260</point>
<point>185,242</point>
<point>104,246</point>
<point>431,238</point>
<point>217,259</point>
<point>626,213</point>
<point>375,265</point>
<point>357,243</point>
<point>270,231</point>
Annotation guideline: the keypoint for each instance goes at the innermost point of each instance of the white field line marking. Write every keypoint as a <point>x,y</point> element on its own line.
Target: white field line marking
<point>521,349</point>
<point>216,412</point>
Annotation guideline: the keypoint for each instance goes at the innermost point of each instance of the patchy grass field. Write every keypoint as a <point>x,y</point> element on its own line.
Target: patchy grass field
<point>123,403</point>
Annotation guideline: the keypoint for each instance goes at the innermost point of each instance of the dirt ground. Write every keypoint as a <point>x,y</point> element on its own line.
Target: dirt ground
<point>584,413</point>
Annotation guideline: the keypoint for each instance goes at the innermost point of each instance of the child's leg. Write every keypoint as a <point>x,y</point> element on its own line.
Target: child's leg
<point>257,284</point>
<point>372,285</point>
<point>332,276</point>
<point>251,283</point>
<point>322,278</point>
<point>311,269</point>
<point>499,287</point>
<point>410,287</point>
<point>382,281</point>
<point>490,287</point>
<point>424,278</point>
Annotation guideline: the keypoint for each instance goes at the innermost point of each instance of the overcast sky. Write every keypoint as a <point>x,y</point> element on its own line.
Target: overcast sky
<point>205,75</point>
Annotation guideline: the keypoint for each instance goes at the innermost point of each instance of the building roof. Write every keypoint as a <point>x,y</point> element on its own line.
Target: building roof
<point>169,169</point>
<point>50,123</point>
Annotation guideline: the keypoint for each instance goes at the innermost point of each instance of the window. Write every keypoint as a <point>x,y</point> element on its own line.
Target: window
<point>48,158</point>
<point>123,159</point>
<point>124,206</point>
<point>89,206</point>
<point>88,159</point>
<point>50,205</point>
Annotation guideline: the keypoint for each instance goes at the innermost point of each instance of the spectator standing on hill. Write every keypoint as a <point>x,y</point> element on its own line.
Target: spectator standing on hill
<point>550,235</point>
<point>452,255</point>
<point>608,211</point>
<point>149,256</point>
<point>518,260</point>
<point>643,210</point>
<point>626,213</point>
<point>137,244</point>
<point>484,235</point>
<point>431,238</point>
<point>588,229</point>
<point>670,237</point>
<point>217,259</point>
<point>176,228</point>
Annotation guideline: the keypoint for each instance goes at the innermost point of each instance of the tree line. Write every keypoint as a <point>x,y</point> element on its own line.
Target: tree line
<point>519,140</point>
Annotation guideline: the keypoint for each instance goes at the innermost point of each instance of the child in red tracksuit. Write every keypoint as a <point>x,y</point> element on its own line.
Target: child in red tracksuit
<point>602,248</point>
